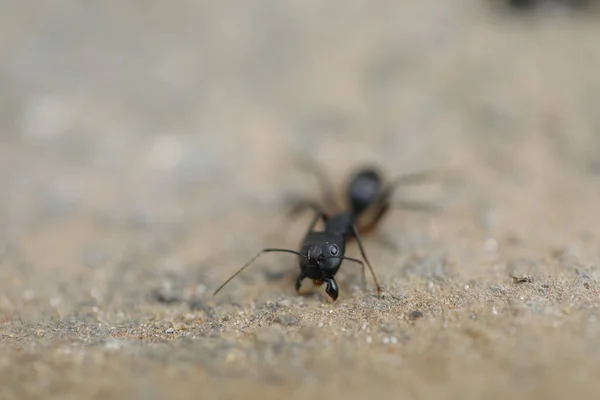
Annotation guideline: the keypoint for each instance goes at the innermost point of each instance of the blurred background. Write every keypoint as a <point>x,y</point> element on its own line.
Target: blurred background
<point>155,135</point>
<point>159,113</point>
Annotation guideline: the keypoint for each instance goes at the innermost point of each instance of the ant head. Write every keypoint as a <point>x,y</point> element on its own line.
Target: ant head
<point>323,255</point>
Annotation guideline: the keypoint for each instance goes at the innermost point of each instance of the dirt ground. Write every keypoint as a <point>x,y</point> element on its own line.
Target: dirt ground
<point>147,149</point>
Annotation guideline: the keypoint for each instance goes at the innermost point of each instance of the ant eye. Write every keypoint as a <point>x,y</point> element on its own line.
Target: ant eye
<point>333,249</point>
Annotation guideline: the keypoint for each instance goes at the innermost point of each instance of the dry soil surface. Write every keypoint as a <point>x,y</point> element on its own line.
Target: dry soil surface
<point>147,149</point>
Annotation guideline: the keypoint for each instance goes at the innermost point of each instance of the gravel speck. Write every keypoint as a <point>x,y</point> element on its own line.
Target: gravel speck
<point>197,304</point>
<point>285,303</point>
<point>287,320</point>
<point>166,296</point>
<point>416,314</point>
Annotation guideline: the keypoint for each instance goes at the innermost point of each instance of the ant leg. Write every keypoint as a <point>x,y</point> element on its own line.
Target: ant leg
<point>326,186</point>
<point>300,204</point>
<point>384,203</point>
<point>363,277</point>
<point>383,209</point>
<point>299,280</point>
<point>319,214</point>
<point>331,289</point>
<point>362,252</point>
<point>413,178</point>
<point>417,206</point>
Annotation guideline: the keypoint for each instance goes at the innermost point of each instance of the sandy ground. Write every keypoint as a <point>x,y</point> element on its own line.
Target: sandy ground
<point>146,150</point>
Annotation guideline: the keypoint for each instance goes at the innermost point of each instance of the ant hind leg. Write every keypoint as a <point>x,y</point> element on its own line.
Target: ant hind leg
<point>300,204</point>
<point>311,166</point>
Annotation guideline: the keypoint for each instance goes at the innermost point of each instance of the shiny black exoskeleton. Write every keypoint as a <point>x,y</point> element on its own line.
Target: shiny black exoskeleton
<point>527,5</point>
<point>367,191</point>
<point>364,187</point>
<point>322,252</point>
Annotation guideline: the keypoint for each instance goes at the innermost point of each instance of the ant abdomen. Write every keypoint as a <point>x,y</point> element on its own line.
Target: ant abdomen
<point>363,189</point>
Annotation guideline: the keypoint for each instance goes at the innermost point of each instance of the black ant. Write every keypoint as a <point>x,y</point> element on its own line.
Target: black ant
<point>366,190</point>
<point>322,252</point>
<point>526,5</point>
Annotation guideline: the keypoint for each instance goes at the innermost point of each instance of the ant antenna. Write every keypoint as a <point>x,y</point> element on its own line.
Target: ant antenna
<point>251,261</point>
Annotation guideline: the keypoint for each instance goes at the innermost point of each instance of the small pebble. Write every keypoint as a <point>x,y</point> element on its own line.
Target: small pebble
<point>369,339</point>
<point>189,317</point>
<point>522,279</point>
<point>496,289</point>
<point>170,330</point>
<point>285,303</point>
<point>165,295</point>
<point>197,304</point>
<point>416,314</point>
<point>287,320</point>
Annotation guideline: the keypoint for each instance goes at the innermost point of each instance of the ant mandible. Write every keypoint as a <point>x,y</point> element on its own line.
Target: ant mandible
<point>322,252</point>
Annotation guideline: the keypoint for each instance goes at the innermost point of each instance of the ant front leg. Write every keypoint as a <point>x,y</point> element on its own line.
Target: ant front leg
<point>299,280</point>
<point>364,256</point>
